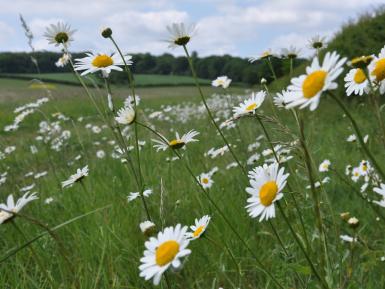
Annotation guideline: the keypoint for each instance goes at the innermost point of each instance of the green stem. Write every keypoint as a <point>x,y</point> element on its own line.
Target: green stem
<point>298,241</point>
<point>315,196</point>
<point>359,135</point>
<point>209,111</point>
<point>221,213</point>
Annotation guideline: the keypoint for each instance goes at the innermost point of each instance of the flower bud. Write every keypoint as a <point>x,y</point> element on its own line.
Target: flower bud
<point>106,32</point>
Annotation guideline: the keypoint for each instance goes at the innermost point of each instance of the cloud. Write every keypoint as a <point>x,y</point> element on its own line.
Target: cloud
<point>225,26</point>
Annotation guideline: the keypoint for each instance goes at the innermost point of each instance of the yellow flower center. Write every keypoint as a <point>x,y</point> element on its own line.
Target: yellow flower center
<point>102,60</point>
<point>268,192</point>
<point>176,144</point>
<point>359,76</point>
<point>313,83</point>
<point>198,231</point>
<point>205,180</point>
<point>251,107</point>
<point>166,252</point>
<point>379,70</point>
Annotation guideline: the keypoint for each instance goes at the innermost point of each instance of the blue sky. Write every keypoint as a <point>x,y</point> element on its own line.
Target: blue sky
<point>243,27</point>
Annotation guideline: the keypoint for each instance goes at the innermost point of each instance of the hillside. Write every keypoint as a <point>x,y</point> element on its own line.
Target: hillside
<point>366,35</point>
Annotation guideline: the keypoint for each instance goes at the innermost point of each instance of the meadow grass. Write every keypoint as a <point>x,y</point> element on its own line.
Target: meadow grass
<point>104,248</point>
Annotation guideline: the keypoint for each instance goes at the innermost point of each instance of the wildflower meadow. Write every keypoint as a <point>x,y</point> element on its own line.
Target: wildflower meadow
<point>276,185</point>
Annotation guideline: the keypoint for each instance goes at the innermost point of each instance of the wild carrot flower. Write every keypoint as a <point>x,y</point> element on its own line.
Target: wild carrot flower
<point>267,183</point>
<point>10,207</point>
<point>164,251</point>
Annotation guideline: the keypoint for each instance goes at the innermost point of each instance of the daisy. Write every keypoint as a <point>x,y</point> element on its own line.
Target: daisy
<point>266,182</point>
<point>279,99</point>
<point>180,35</point>
<point>132,196</point>
<point>60,33</point>
<point>126,115</point>
<point>176,143</point>
<point>306,90</point>
<point>377,70</point>
<point>205,180</point>
<point>265,54</point>
<point>80,174</point>
<point>101,62</point>
<point>199,228</point>
<point>380,191</point>
<point>146,227</point>
<point>324,166</point>
<point>164,251</point>
<point>10,207</point>
<point>356,82</point>
<point>250,105</point>
<point>291,52</point>
<point>317,42</point>
<point>63,61</point>
<point>223,81</point>
<point>348,239</point>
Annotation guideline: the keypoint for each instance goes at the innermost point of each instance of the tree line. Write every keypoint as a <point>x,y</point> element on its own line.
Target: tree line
<point>237,68</point>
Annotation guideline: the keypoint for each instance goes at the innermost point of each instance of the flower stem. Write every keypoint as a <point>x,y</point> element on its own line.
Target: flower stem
<point>359,135</point>
<point>298,241</point>
<point>219,210</point>
<point>208,110</point>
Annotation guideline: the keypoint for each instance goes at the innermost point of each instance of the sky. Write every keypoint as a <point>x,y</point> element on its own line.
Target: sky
<point>242,28</point>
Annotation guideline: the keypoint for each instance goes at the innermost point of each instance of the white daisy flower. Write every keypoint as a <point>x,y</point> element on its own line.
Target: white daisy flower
<point>356,82</point>
<point>180,34</point>
<point>365,168</point>
<point>356,174</point>
<point>10,206</point>
<point>291,52</point>
<point>199,228</point>
<point>48,201</point>
<point>63,60</point>
<point>306,90</point>
<point>377,70</point>
<point>348,239</point>
<point>129,101</point>
<point>164,251</point>
<point>176,143</point>
<point>59,33</point>
<point>266,182</point>
<point>324,166</point>
<point>80,174</point>
<point>222,81</point>
<point>380,191</point>
<point>317,42</point>
<point>263,55</point>
<point>101,62</point>
<point>132,196</point>
<point>146,227</point>
<point>126,115</point>
<point>279,99</point>
<point>250,105</point>
<point>205,180</point>
<point>100,154</point>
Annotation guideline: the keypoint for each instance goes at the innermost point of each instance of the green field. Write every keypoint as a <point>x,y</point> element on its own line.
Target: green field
<point>144,80</point>
<point>102,248</point>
